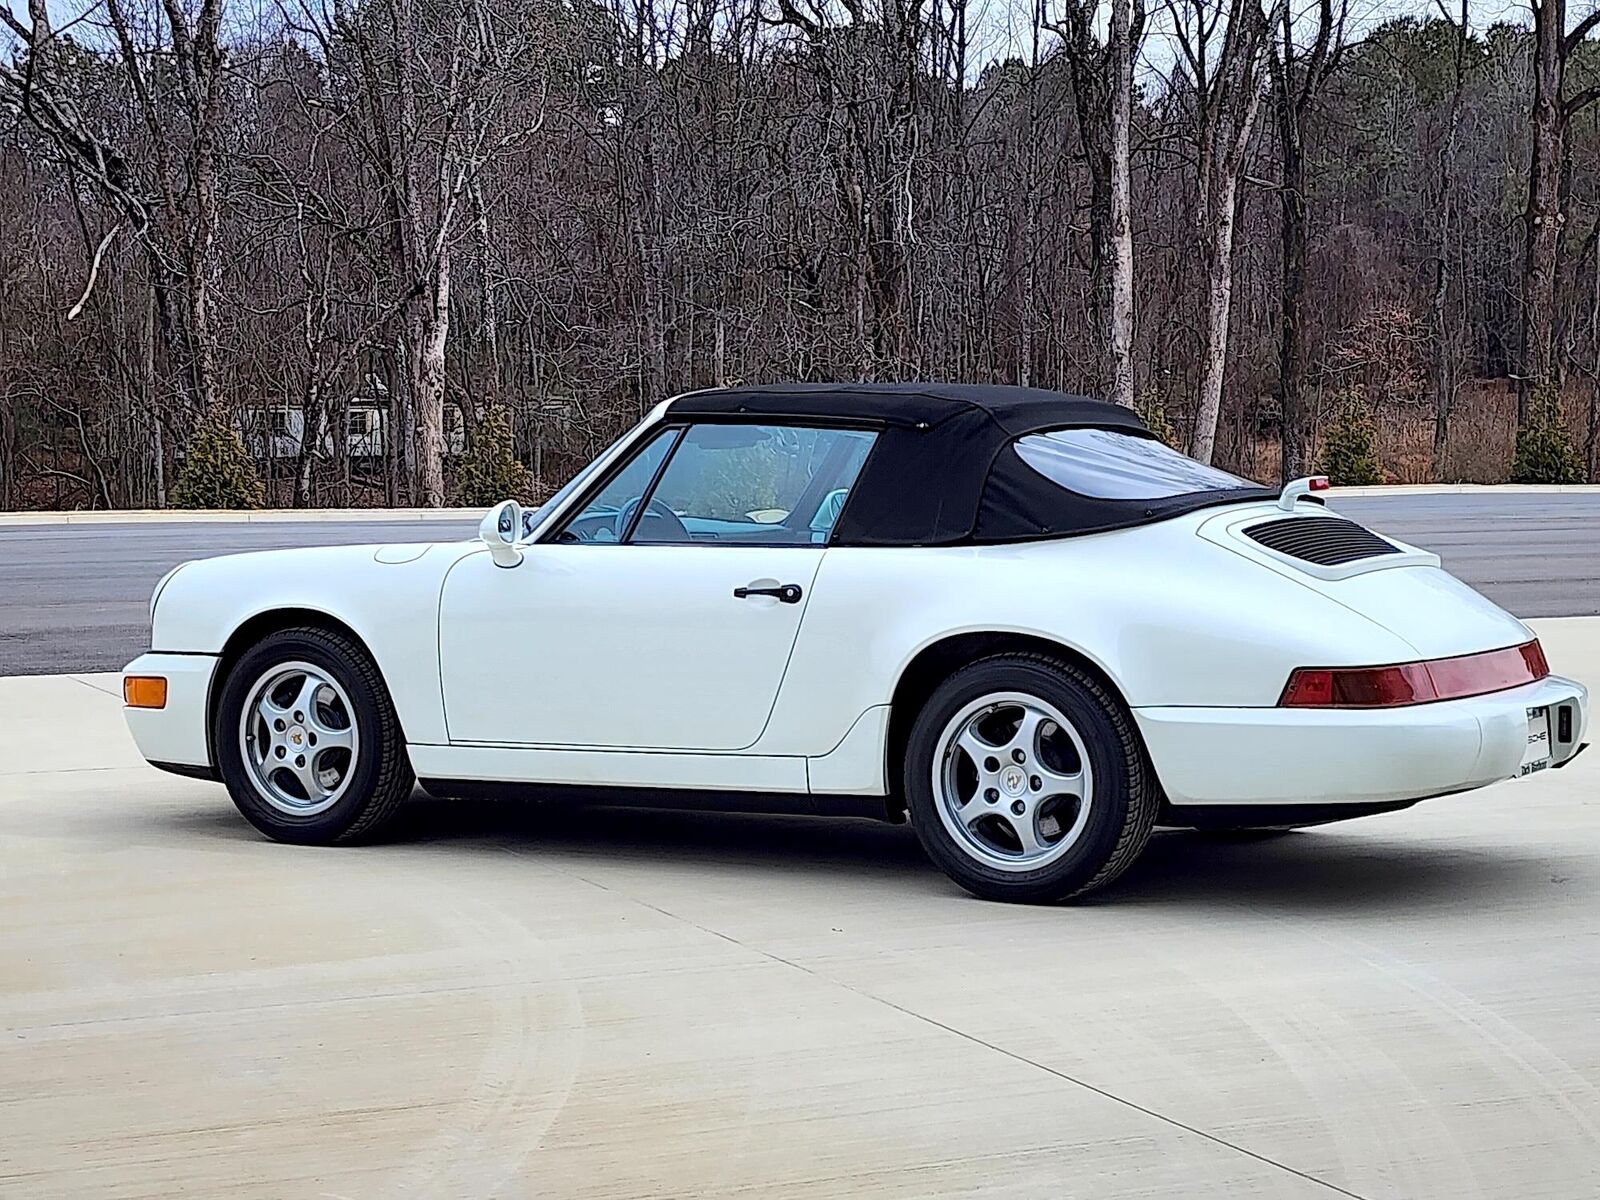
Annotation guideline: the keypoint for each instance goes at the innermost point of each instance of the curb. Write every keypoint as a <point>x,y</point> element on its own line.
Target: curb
<point>1467,489</point>
<point>265,516</point>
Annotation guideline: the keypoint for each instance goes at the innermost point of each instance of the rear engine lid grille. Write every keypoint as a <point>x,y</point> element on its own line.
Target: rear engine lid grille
<point>1326,541</point>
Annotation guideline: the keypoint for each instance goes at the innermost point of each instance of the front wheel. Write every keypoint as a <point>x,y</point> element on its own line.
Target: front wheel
<point>307,739</point>
<point>1027,781</point>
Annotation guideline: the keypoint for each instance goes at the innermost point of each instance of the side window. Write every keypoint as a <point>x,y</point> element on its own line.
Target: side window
<point>760,485</point>
<point>607,515</point>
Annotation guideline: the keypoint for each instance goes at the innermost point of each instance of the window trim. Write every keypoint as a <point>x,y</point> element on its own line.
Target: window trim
<point>678,428</point>
<point>811,487</point>
<point>575,506</point>
<point>645,497</point>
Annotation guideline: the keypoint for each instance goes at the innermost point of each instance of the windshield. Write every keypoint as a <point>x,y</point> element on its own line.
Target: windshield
<point>1108,465</point>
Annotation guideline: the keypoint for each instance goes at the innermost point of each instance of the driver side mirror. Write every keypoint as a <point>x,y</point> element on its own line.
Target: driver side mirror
<point>500,531</point>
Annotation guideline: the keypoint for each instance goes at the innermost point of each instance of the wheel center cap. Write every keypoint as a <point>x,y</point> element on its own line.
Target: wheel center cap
<point>1014,780</point>
<point>297,736</point>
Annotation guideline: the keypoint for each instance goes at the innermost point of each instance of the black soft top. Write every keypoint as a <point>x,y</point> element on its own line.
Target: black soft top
<point>1013,410</point>
<point>944,470</point>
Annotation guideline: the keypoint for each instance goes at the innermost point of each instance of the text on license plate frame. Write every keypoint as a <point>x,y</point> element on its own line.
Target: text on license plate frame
<point>1536,757</point>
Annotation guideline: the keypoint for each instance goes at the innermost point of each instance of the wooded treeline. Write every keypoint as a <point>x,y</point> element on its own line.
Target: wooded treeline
<point>1268,228</point>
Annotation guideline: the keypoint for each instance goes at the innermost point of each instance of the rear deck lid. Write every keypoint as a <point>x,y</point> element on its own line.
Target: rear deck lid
<point>1398,586</point>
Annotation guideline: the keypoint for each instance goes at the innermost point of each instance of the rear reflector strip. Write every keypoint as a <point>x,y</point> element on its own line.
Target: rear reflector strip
<point>1417,682</point>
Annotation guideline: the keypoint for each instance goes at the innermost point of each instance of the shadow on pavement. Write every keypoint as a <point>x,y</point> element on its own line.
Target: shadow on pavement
<point>1326,870</point>
<point>665,835</point>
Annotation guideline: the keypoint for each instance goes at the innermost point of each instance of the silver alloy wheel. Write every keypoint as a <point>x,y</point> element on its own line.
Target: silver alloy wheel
<point>298,739</point>
<point>1012,781</point>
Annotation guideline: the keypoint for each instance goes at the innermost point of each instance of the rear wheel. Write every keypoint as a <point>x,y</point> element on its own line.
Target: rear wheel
<point>307,739</point>
<point>1027,781</point>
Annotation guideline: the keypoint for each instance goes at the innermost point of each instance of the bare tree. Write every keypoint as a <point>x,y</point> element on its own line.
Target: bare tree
<point>1589,366</point>
<point>436,105</point>
<point>1546,212</point>
<point>867,70</point>
<point>1120,50</point>
<point>1222,48</point>
<point>1300,72</point>
<point>1102,87</point>
<point>1445,202</point>
<point>165,190</point>
<point>572,210</point>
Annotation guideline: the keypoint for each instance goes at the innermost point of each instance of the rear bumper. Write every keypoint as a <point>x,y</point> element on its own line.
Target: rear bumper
<point>176,736</point>
<point>1232,756</point>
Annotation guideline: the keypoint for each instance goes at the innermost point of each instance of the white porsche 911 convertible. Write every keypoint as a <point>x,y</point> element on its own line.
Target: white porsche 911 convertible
<point>1012,616</point>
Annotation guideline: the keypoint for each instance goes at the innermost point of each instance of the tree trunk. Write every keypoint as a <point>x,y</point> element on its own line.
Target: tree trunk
<point>397,429</point>
<point>7,438</point>
<point>1119,332</point>
<point>431,329</point>
<point>158,456</point>
<point>1591,449</point>
<point>1299,78</point>
<point>313,428</point>
<point>1295,424</point>
<point>1030,224</point>
<point>1219,305</point>
<point>158,451</point>
<point>1446,368</point>
<point>1543,216</point>
<point>1099,305</point>
<point>202,268</point>
<point>489,315</point>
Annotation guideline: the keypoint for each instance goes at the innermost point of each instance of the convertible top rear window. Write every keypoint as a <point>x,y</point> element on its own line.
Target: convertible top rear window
<point>1107,464</point>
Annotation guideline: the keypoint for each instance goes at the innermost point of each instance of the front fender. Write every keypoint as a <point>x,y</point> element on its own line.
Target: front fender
<point>392,607</point>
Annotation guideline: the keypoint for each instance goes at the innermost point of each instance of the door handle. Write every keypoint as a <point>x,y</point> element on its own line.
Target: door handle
<point>788,593</point>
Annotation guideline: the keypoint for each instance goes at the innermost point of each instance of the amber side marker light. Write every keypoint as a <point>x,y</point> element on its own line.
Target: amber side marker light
<point>1417,682</point>
<point>144,691</point>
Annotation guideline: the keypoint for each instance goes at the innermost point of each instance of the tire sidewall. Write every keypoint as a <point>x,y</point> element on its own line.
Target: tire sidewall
<point>293,646</point>
<point>1108,760</point>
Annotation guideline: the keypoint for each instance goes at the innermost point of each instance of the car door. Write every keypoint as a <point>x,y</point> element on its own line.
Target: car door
<point>662,611</point>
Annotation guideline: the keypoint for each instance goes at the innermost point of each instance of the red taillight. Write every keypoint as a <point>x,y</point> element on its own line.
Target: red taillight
<point>1361,687</point>
<point>1415,683</point>
<point>1533,655</point>
<point>1318,483</point>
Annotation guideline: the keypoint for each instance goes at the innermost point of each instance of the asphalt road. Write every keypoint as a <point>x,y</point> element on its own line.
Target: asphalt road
<point>1537,555</point>
<point>75,597</point>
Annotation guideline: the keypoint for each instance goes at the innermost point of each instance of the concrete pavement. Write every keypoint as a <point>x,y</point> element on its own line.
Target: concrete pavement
<point>76,597</point>
<point>519,1000</point>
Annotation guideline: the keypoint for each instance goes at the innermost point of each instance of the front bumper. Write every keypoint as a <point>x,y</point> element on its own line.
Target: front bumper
<point>1229,756</point>
<point>175,735</point>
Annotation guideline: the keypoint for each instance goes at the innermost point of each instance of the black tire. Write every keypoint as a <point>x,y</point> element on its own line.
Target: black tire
<point>1125,798</point>
<point>381,774</point>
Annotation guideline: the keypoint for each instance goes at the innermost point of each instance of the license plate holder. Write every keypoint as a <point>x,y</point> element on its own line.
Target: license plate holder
<point>1536,756</point>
